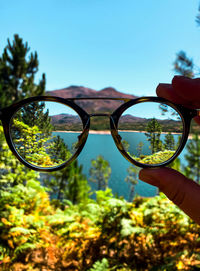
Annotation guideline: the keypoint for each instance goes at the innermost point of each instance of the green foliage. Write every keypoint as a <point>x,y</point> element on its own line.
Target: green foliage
<point>100,265</point>
<point>183,65</point>
<point>69,183</point>
<point>37,146</point>
<point>21,212</point>
<point>176,164</point>
<point>107,234</point>
<point>100,172</point>
<point>12,172</point>
<point>33,114</point>
<point>156,158</point>
<point>17,73</point>
<point>125,144</point>
<point>153,135</point>
<point>30,144</point>
<point>192,170</point>
<point>59,149</point>
<point>132,179</point>
<point>79,233</point>
<point>139,148</point>
<point>169,143</point>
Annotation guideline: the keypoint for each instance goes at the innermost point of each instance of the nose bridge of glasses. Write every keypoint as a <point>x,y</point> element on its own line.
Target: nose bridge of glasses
<point>100,115</point>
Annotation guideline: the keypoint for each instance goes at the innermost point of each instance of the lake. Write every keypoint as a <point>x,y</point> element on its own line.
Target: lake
<point>103,144</point>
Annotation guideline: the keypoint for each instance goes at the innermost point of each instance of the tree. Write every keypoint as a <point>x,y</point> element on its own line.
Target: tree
<point>68,184</point>
<point>29,143</point>
<point>169,142</point>
<point>12,172</point>
<point>34,114</point>
<point>131,178</point>
<point>58,150</point>
<point>192,170</point>
<point>153,135</point>
<point>183,65</point>
<point>100,172</point>
<point>78,188</point>
<point>139,148</point>
<point>17,73</point>
<point>125,144</point>
<point>176,164</point>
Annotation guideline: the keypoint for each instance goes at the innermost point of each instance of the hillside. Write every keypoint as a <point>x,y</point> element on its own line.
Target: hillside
<point>92,105</point>
<point>128,122</point>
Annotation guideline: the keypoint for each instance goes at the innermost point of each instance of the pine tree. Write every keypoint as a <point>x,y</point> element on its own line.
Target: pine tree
<point>192,170</point>
<point>139,148</point>
<point>77,189</point>
<point>33,114</point>
<point>153,135</point>
<point>125,144</point>
<point>100,172</point>
<point>169,142</point>
<point>183,65</point>
<point>68,184</point>
<point>17,73</point>
<point>132,179</point>
<point>58,150</point>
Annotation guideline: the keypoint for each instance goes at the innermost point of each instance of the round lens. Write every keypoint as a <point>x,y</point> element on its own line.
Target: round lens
<point>150,132</point>
<point>46,134</point>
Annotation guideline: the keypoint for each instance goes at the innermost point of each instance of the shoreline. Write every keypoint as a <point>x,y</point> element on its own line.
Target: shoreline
<point>103,132</point>
<point>108,132</point>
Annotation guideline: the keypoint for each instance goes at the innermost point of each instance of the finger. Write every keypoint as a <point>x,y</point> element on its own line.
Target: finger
<point>183,90</point>
<point>182,191</point>
<point>166,91</point>
<point>188,89</point>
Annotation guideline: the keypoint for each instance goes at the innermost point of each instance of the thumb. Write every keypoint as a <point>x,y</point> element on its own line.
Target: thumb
<point>184,192</point>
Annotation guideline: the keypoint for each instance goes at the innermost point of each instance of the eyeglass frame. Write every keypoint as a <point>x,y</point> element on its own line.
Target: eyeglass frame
<point>186,114</point>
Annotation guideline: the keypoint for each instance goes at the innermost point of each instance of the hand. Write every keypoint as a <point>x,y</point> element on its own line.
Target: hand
<point>184,192</point>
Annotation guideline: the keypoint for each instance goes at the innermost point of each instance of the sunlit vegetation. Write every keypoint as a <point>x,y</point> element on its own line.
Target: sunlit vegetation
<point>72,231</point>
<point>36,148</point>
<point>142,235</point>
<point>56,222</point>
<point>161,150</point>
<point>156,158</point>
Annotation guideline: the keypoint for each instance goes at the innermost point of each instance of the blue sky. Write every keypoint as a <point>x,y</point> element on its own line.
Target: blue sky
<point>127,44</point>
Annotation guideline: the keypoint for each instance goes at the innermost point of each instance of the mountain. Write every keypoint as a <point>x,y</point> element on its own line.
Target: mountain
<point>91,106</point>
<point>127,122</point>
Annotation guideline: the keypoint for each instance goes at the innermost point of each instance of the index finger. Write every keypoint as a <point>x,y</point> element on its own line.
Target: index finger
<point>183,91</point>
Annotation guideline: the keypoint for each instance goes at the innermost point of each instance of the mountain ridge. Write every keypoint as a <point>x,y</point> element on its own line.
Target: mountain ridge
<point>92,105</point>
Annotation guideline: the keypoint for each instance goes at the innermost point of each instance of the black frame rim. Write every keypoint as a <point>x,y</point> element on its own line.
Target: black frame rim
<point>11,110</point>
<point>186,114</point>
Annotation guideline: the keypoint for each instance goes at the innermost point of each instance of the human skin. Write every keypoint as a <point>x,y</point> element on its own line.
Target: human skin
<point>184,192</point>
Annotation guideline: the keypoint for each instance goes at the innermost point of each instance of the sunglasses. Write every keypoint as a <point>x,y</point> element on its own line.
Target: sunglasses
<point>47,133</point>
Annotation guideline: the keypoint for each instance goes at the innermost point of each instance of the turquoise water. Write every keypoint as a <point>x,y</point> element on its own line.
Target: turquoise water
<point>98,144</point>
